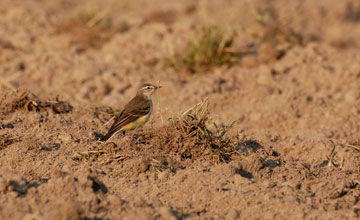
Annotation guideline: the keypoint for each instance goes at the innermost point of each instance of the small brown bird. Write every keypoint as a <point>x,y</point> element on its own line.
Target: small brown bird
<point>135,114</point>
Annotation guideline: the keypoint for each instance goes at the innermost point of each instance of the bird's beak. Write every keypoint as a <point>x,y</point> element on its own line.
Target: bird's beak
<point>158,87</point>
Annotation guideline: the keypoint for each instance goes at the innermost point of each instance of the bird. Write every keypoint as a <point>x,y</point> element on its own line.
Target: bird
<point>135,114</point>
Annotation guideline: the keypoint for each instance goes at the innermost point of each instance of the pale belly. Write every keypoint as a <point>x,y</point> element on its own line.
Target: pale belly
<point>138,123</point>
<point>141,121</point>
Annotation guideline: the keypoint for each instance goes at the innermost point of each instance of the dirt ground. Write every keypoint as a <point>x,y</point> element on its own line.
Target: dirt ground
<point>293,152</point>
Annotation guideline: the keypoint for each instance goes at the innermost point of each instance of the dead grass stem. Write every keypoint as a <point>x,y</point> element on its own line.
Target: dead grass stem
<point>193,124</point>
<point>159,104</point>
<point>7,84</point>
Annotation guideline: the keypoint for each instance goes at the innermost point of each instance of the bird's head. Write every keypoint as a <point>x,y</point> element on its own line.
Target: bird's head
<point>148,89</point>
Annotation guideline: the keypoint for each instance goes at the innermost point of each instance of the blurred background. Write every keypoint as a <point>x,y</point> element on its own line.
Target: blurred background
<point>92,51</point>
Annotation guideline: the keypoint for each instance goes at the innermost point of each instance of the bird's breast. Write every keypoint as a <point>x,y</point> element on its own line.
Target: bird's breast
<point>142,120</point>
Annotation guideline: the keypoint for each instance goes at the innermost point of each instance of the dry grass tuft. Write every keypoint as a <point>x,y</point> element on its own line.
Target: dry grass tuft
<point>193,121</point>
<point>193,124</point>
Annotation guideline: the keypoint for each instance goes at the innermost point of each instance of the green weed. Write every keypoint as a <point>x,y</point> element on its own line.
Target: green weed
<point>213,47</point>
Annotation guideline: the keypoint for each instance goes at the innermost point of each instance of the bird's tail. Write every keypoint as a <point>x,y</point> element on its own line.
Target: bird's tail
<point>107,136</point>
<point>110,134</point>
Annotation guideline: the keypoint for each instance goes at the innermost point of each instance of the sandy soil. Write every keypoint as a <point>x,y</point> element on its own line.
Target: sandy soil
<point>297,135</point>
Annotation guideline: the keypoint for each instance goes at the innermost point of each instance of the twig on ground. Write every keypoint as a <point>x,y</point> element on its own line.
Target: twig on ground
<point>332,154</point>
<point>159,105</point>
<point>7,84</point>
<point>353,147</point>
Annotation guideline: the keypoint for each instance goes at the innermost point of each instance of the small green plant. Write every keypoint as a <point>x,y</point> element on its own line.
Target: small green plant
<point>213,47</point>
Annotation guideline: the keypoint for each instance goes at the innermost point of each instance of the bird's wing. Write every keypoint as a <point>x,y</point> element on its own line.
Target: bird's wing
<point>137,107</point>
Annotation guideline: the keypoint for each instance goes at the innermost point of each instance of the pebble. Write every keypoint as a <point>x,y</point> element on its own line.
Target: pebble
<point>166,213</point>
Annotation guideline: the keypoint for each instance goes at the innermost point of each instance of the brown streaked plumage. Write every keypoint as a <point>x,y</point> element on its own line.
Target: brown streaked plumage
<point>135,114</point>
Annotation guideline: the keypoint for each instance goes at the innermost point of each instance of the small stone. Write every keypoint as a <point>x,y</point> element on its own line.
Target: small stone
<point>255,116</point>
<point>264,77</point>
<point>66,169</point>
<point>163,176</point>
<point>138,202</point>
<point>83,179</point>
<point>351,97</point>
<point>233,214</point>
<point>114,200</point>
<point>71,211</point>
<point>242,178</point>
<point>166,213</point>
<point>65,138</point>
